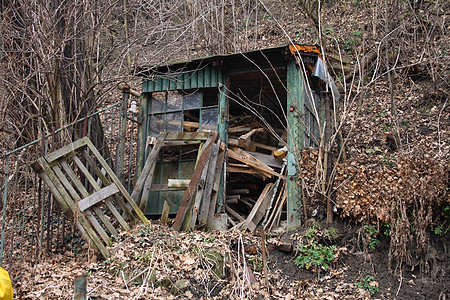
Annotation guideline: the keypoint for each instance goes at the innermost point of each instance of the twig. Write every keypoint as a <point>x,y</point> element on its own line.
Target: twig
<point>263,244</point>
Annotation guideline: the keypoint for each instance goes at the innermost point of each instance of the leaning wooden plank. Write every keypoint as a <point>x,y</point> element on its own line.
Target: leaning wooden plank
<point>77,199</point>
<point>191,214</point>
<point>186,202</point>
<point>86,172</point>
<point>267,159</point>
<point>250,160</point>
<point>105,220</point>
<point>261,212</point>
<point>101,175</point>
<point>151,160</point>
<point>64,199</point>
<point>98,227</point>
<point>278,212</point>
<point>146,190</point>
<point>234,213</point>
<point>98,196</point>
<point>204,210</point>
<point>116,180</point>
<point>257,204</point>
<point>218,175</point>
<point>272,213</point>
<point>199,195</point>
<point>64,151</point>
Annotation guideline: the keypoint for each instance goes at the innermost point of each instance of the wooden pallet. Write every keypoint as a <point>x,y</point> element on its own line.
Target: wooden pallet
<point>88,190</point>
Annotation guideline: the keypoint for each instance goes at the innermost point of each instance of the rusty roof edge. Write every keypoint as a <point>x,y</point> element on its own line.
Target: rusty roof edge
<point>156,68</point>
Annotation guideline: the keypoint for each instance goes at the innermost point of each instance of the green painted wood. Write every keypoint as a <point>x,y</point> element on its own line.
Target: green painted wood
<point>150,87</point>
<point>158,84</point>
<point>187,80</point>
<point>172,83</point>
<point>200,78</point>
<point>194,76</point>
<point>165,84</point>
<point>207,77</point>
<point>214,79</point>
<point>180,80</point>
<point>296,100</point>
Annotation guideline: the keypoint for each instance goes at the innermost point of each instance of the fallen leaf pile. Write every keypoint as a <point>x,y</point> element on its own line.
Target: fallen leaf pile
<point>367,192</point>
<point>158,263</point>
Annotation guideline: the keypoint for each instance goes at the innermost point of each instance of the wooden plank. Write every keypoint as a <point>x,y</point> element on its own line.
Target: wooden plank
<point>269,160</point>
<point>193,184</point>
<point>97,197</point>
<point>184,136</point>
<point>218,175</point>
<point>98,227</point>
<point>204,210</point>
<point>150,161</point>
<point>146,190</point>
<point>234,213</point>
<point>85,194</point>
<point>106,181</point>
<point>105,220</point>
<point>250,160</point>
<point>245,139</point>
<point>64,151</point>
<point>117,182</point>
<point>86,173</point>
<point>165,188</point>
<point>239,129</point>
<point>264,146</point>
<point>257,205</point>
<point>198,196</point>
<point>65,200</point>
<point>239,191</point>
<point>192,212</point>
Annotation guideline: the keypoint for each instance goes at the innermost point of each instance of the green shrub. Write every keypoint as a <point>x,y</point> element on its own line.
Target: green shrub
<point>315,256</point>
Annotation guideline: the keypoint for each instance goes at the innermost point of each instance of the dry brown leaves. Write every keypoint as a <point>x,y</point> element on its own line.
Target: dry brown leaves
<point>153,260</point>
<point>369,191</point>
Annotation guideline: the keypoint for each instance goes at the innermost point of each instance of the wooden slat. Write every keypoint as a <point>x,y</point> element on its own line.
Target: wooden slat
<point>269,160</point>
<point>77,199</point>
<point>117,182</point>
<point>101,175</point>
<point>85,194</point>
<point>183,136</point>
<point>242,156</point>
<point>65,200</point>
<point>86,173</point>
<point>198,196</point>
<point>206,201</point>
<point>64,151</point>
<point>186,202</point>
<point>150,161</point>
<point>256,207</point>
<point>105,220</point>
<point>165,188</point>
<point>97,197</point>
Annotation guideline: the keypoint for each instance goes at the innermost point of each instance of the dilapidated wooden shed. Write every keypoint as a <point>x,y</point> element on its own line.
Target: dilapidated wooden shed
<point>263,105</point>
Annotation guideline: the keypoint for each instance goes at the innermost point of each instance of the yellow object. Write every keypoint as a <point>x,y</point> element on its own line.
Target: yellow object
<point>6,291</point>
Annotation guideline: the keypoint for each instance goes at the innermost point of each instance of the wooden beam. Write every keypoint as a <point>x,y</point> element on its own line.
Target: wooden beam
<point>244,157</point>
<point>186,202</point>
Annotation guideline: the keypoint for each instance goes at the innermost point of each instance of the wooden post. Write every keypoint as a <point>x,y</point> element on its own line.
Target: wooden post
<point>224,86</point>
<point>295,111</point>
<point>80,287</point>
<point>142,134</point>
<point>123,131</point>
